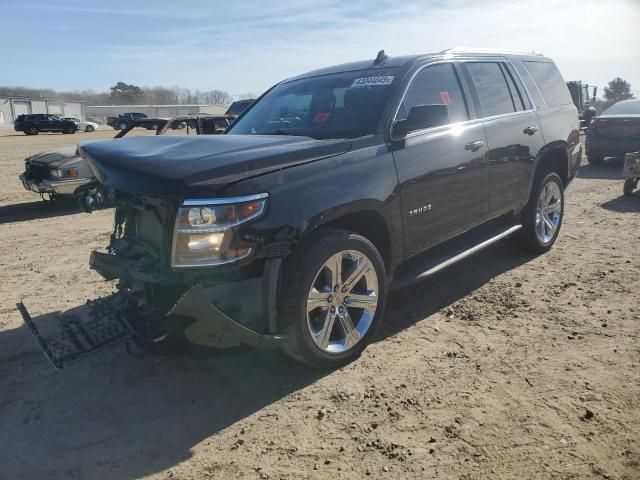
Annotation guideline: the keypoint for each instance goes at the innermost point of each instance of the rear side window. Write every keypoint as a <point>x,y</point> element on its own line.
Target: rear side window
<point>528,81</point>
<point>550,83</point>
<point>436,85</point>
<point>515,93</point>
<point>494,94</point>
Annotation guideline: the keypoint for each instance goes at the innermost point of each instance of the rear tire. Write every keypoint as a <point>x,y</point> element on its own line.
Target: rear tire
<point>89,129</point>
<point>629,186</point>
<point>543,214</point>
<point>123,126</point>
<point>329,327</point>
<point>32,131</point>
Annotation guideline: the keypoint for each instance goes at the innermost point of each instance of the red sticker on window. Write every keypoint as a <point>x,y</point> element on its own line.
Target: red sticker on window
<point>321,117</point>
<point>446,99</point>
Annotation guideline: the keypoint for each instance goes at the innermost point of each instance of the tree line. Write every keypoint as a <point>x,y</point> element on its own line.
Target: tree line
<point>615,91</point>
<point>128,94</point>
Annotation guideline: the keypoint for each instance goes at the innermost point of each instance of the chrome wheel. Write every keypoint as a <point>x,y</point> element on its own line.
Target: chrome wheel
<point>342,301</point>
<point>548,212</point>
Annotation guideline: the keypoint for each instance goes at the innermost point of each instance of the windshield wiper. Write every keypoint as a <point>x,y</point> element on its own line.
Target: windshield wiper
<point>283,132</point>
<point>293,134</point>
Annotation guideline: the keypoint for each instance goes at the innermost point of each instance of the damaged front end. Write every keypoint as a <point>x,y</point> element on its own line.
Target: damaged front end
<point>174,288</point>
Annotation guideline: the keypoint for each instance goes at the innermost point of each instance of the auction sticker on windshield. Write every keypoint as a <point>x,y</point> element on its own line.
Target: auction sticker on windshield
<point>372,81</point>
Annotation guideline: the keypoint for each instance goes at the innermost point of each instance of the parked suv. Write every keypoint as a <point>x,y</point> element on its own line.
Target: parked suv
<point>334,187</point>
<point>42,122</point>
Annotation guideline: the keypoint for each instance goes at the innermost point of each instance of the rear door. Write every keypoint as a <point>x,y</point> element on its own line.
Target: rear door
<point>513,133</point>
<point>442,174</point>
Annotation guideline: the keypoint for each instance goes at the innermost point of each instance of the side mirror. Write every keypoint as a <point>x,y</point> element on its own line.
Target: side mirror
<point>423,116</point>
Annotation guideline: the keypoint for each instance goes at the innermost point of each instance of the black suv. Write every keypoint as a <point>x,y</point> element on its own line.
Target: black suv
<point>42,122</point>
<point>332,188</point>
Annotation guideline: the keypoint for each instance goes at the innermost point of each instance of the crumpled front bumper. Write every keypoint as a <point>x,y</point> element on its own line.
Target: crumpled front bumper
<point>220,316</point>
<point>59,187</point>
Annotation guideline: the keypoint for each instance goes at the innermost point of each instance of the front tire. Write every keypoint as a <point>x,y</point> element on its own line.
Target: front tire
<point>629,186</point>
<point>89,129</point>
<point>543,214</point>
<point>333,298</point>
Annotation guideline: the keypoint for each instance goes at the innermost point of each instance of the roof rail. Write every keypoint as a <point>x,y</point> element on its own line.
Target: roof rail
<point>504,51</point>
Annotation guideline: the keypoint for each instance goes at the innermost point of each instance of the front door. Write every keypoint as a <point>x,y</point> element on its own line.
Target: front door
<point>53,124</point>
<point>442,172</point>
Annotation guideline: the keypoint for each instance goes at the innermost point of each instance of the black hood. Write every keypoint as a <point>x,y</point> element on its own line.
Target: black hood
<point>54,159</point>
<point>193,166</point>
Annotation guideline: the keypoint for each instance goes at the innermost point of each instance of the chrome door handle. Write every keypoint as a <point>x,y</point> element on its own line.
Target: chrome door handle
<point>474,146</point>
<point>530,130</point>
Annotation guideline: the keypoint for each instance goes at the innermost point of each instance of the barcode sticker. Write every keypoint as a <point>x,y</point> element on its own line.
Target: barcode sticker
<point>372,81</point>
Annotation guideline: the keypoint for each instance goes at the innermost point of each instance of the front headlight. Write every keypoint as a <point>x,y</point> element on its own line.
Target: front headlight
<point>204,230</point>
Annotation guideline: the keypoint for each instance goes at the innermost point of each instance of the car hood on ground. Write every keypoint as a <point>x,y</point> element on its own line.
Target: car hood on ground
<point>188,167</point>
<point>55,159</point>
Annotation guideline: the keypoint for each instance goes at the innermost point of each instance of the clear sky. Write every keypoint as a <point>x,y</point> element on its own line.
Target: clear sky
<point>246,46</point>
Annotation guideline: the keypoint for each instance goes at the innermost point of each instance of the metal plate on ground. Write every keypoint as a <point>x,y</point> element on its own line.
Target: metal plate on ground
<point>73,335</point>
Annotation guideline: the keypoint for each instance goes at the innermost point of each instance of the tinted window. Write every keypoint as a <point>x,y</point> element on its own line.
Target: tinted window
<point>493,91</point>
<point>436,85</point>
<point>622,108</point>
<point>515,94</point>
<point>531,86</point>
<point>340,105</point>
<point>550,83</point>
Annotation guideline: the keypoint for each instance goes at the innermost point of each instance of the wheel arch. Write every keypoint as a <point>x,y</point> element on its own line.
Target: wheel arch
<point>554,157</point>
<point>368,222</point>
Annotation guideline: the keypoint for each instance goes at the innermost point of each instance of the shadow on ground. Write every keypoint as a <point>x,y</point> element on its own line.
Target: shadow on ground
<point>116,417</point>
<point>624,203</point>
<point>610,169</point>
<point>21,212</point>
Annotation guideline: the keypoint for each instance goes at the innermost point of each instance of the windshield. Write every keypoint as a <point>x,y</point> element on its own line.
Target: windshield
<point>342,105</point>
<point>623,108</point>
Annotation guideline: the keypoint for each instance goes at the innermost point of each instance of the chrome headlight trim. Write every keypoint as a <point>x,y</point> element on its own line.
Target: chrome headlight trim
<point>223,201</point>
<point>226,229</point>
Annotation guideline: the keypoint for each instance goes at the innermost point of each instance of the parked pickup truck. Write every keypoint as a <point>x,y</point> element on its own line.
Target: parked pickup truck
<point>332,188</point>
<point>123,120</point>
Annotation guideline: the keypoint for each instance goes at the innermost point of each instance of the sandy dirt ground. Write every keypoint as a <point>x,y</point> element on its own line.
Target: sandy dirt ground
<point>505,366</point>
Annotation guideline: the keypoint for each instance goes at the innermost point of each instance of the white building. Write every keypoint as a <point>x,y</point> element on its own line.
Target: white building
<point>11,107</point>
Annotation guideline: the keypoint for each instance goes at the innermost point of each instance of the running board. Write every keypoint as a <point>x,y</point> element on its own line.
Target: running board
<point>434,261</point>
